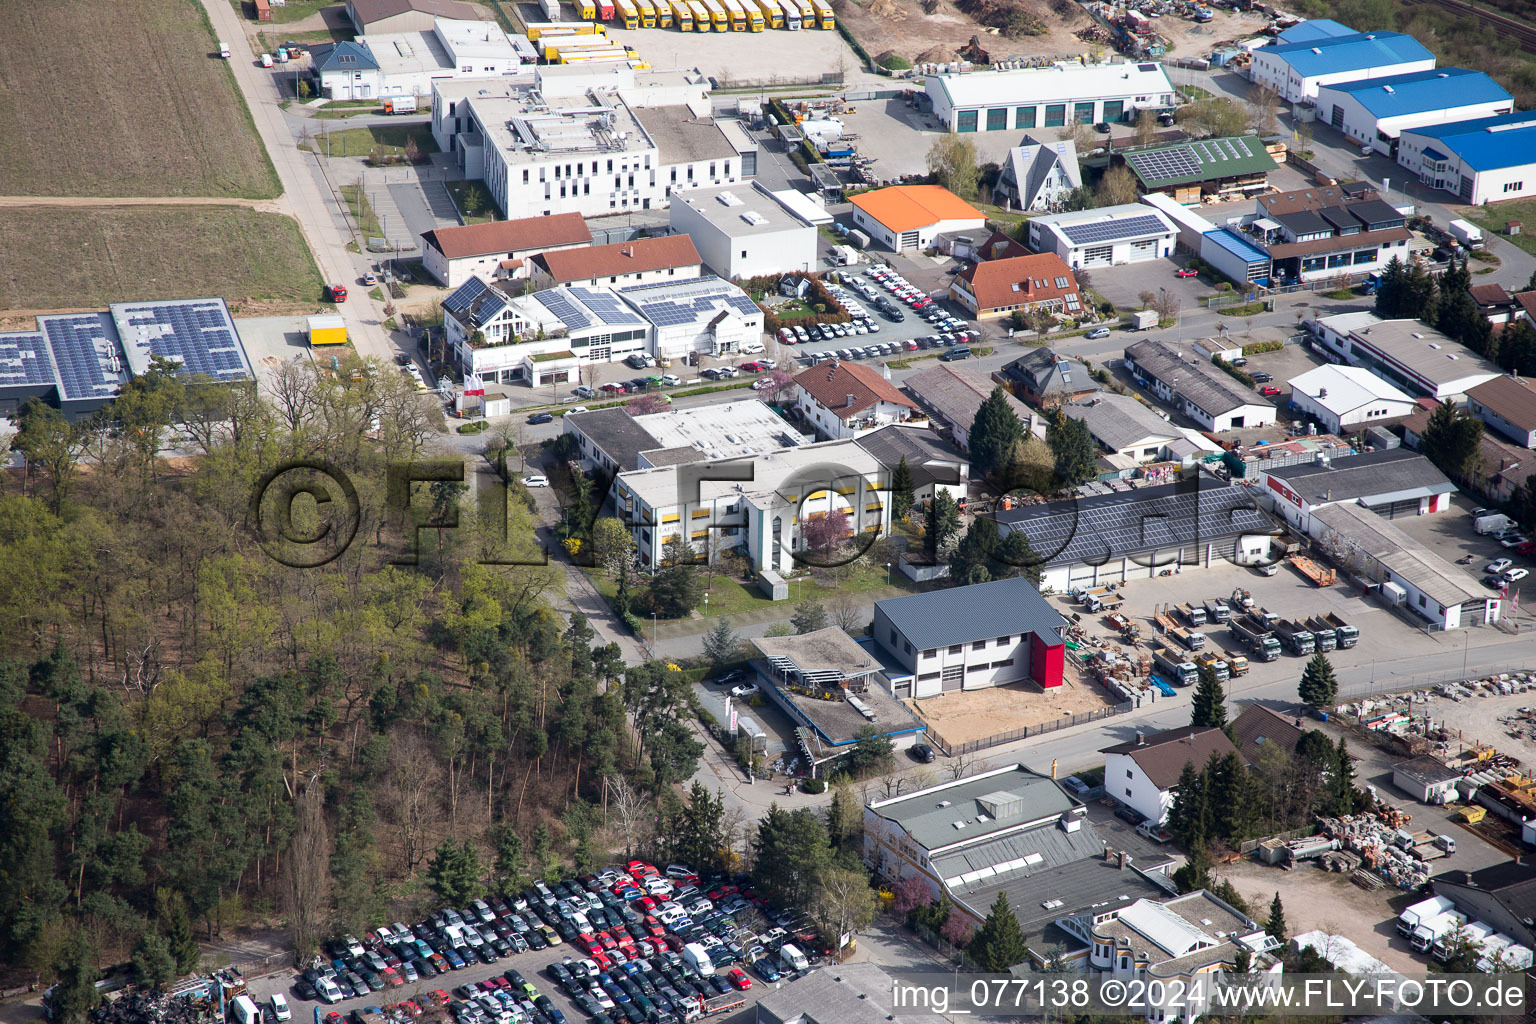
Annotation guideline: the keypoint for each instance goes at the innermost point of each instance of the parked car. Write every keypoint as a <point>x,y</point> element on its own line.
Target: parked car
<point>1098,332</point>
<point>923,752</point>
<point>1498,565</point>
<point>1269,391</point>
<point>1186,272</point>
<point>584,391</point>
<point>744,690</point>
<point>541,417</point>
<point>1261,377</point>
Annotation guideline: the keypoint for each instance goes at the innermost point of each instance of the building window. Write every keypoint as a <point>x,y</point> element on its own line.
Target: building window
<point>979,645</point>
<point>1128,774</point>
<point>1024,117</point>
<point>931,654</point>
<point>1003,641</point>
<point>1002,664</point>
<point>997,120</point>
<point>893,638</point>
<point>956,648</point>
<point>906,647</point>
<point>1055,115</point>
<point>1127,793</point>
<point>1513,186</point>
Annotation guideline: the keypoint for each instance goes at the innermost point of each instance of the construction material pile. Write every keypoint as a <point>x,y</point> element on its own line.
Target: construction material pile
<point>1378,837</point>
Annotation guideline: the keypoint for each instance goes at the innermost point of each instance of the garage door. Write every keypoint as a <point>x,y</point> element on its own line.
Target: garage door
<point>1144,250</point>
<point>1098,256</point>
<point>954,678</point>
<point>1397,509</point>
<point>1081,574</point>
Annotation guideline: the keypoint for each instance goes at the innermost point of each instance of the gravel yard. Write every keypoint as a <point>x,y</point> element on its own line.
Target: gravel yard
<point>962,717</point>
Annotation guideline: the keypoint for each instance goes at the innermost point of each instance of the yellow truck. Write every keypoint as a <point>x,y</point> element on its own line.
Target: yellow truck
<point>327,329</point>
<point>825,18</point>
<point>682,15</point>
<point>719,17</point>
<point>647,13</point>
<point>628,13</point>
<point>538,29</point>
<point>735,14</point>
<point>772,13</point>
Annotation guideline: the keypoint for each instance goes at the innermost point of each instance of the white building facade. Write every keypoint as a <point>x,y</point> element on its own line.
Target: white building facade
<point>1296,71</point>
<point>744,230</point>
<point>1106,237</point>
<point>1048,97</point>
<point>1374,112</point>
<point>1345,398</point>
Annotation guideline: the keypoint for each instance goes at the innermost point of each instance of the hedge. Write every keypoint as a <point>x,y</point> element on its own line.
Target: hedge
<point>1262,346</point>
<point>1234,371</point>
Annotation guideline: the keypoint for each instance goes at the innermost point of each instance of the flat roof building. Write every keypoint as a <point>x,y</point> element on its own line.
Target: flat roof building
<point>1409,574</point>
<point>1019,99</point>
<point>1235,256</point>
<point>1483,160</point>
<point>911,216</point>
<point>1196,388</point>
<point>1106,236</point>
<point>745,230</point>
<point>1314,29</point>
<point>1345,397</point>
<point>1407,353</point>
<point>1199,169</point>
<point>1330,231</point>
<point>1296,71</point>
<point>852,993</point>
<point>1393,482</point>
<point>704,315</point>
<point>1375,111</point>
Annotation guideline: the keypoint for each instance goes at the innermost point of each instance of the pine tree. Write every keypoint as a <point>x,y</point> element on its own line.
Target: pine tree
<point>721,645</point>
<point>1074,449</point>
<point>993,433</point>
<point>1187,817</point>
<point>1319,686</point>
<point>972,557</point>
<point>1196,872</point>
<point>1228,894</point>
<point>1229,797</point>
<point>1275,926</point>
<point>999,943</point>
<point>1209,704</point>
<point>1390,293</point>
<point>1344,797</point>
<point>901,490</point>
<point>1015,556</point>
<point>943,523</point>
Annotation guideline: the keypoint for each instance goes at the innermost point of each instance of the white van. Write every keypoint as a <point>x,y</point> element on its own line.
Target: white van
<point>243,1011</point>
<point>280,1008</point>
<point>223,49</point>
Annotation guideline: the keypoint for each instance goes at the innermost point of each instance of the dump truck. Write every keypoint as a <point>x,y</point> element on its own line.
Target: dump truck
<point>1169,667</point>
<point>1256,637</point>
<point>1347,635</point>
<point>1122,625</point>
<point>1218,611</point>
<point>1194,614</point>
<point>1210,659</point>
<point>1236,663</point>
<point>1188,638</point>
<point>1101,599</point>
<point>1327,639</point>
<point>1296,637</point>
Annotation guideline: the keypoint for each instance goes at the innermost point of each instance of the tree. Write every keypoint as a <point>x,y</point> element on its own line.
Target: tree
<point>610,543</point>
<point>646,404</point>
<point>721,644</point>
<point>779,383</point>
<point>993,432</point>
<point>1228,894</point>
<point>509,865</point>
<point>1016,557</point>
<point>1452,441</point>
<point>1275,926</point>
<point>911,892</point>
<point>1319,686</point>
<point>454,872</point>
<point>809,617</point>
<point>872,753</point>
<point>49,440</point>
<point>789,853</point>
<point>847,614</point>
<point>999,943</point>
<point>1117,187</point>
<point>1188,818</point>
<point>1147,299</point>
<point>1213,116</point>
<point>1076,454</point>
<point>153,964</point>
<point>952,163</point>
<point>75,994</point>
<point>307,872</point>
<point>971,562</point>
<point>844,904</point>
<point>1304,138</point>
<point>676,589</point>
<point>901,490</point>
<point>1146,128</point>
<point>1196,872</point>
<point>177,926</point>
<point>1209,705</point>
<point>1029,465</point>
<point>943,523</point>
<point>474,200</point>
<point>1262,100</point>
<point>827,532</point>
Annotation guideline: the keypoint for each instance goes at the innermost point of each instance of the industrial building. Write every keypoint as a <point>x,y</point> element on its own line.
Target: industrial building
<point>404,15</point>
<point>1374,112</point>
<point>1111,538</point>
<point>970,638</point>
<point>1018,99</point>
<point>1481,161</point>
<point>611,440</point>
<point>702,316</point>
<point>1015,831</point>
<point>1408,353</point>
<point>745,230</point>
<point>1038,175</point>
<point>406,62</point>
<point>1342,398</point>
<point>856,993</point>
<point>1296,71</point>
<point>498,248</point>
<point>1392,482</point>
<point>79,362</point>
<point>1198,389</point>
<point>902,217</point>
<point>1039,282</point>
<point>1508,406</point>
<point>1315,28</point>
<point>1200,170</point>
<point>1235,255</point>
<point>1408,574</point>
<point>1124,426</point>
<point>1104,237</point>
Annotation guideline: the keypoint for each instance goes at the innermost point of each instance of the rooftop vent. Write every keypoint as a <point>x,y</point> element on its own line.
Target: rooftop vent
<point>943,803</point>
<point>728,199</point>
<point>1002,804</point>
<point>958,824</point>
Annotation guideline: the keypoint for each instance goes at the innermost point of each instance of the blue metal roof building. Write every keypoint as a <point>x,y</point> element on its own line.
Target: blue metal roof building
<point>1296,70</point>
<point>1375,111</point>
<point>1234,255</point>
<point>1317,28</point>
<point>1481,160</point>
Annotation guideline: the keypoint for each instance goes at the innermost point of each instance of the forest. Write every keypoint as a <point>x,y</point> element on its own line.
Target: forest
<point>196,736</point>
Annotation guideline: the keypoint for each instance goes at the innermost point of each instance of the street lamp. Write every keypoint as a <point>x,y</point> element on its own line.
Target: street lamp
<point>888,574</point>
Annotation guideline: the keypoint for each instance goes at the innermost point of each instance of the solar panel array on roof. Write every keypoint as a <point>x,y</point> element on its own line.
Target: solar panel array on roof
<point>1111,230</point>
<point>24,360</point>
<point>1163,164</point>
<point>196,334</point>
<point>670,303</point>
<point>85,351</point>
<point>606,305</point>
<point>557,302</point>
<point>464,296</point>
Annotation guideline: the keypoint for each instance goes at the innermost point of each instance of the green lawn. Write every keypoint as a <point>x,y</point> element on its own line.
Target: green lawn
<point>1492,219</point>
<point>458,191</point>
<point>390,140</point>
<point>794,309</point>
<point>88,257</point>
<point>362,211</point>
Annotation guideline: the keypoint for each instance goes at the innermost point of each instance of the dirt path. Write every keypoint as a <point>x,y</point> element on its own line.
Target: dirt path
<point>264,205</point>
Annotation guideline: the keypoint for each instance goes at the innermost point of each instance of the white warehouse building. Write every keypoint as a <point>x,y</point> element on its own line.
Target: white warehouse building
<point>1296,71</point>
<point>1106,237</point>
<point>744,230</point>
<point>1482,161</point>
<point>1347,397</point>
<point>1047,97</point>
<point>1374,112</point>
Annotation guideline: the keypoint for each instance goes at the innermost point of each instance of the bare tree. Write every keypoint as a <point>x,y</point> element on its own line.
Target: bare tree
<point>306,890</point>
<point>629,812</point>
<point>960,766</point>
<point>1261,106</point>
<point>1146,128</point>
<point>1167,304</point>
<point>292,389</point>
<point>844,904</point>
<point>847,614</point>
<point>412,793</point>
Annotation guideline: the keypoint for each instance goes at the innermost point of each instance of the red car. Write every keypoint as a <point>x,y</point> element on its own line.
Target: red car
<point>753,367</point>
<point>392,977</point>
<point>739,978</point>
<point>333,1018</point>
<point>1528,548</point>
<point>1186,272</point>
<point>640,869</point>
<point>1269,391</point>
<point>440,996</point>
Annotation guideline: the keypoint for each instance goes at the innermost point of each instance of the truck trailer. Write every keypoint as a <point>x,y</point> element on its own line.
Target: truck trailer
<point>1295,637</point>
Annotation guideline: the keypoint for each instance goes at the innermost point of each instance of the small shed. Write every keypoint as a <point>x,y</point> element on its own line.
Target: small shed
<point>327,329</point>
<point>263,10</point>
<point>1426,780</point>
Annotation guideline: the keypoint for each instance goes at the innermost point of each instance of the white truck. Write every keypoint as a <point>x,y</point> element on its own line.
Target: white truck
<point>791,958</point>
<point>1432,933</point>
<point>242,1010</point>
<point>697,957</point>
<point>1143,319</point>
<point>1467,233</point>
<point>1474,935</point>
<point>1493,522</point>
<point>1426,910</point>
<point>223,49</point>
<point>845,255</point>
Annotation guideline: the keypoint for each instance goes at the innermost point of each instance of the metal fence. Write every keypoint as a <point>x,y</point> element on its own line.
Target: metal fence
<point>1400,684</point>
<point>949,749</point>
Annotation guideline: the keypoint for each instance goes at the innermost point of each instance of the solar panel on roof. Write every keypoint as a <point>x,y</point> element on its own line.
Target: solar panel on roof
<point>197,335</point>
<point>84,347</point>
<point>606,305</point>
<point>1109,230</point>
<point>559,304</point>
<point>24,361</point>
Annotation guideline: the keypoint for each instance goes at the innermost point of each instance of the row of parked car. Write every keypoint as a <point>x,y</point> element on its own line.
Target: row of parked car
<point>645,948</point>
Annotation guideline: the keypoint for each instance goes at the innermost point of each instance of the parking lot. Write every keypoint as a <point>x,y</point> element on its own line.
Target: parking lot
<point>649,987</point>
<point>1450,535</point>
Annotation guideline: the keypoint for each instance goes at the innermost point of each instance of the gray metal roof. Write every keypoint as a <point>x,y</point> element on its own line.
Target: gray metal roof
<point>1367,533</point>
<point>1198,381</point>
<point>961,615</point>
<point>1118,421</point>
<point>1426,770</point>
<point>956,395</point>
<point>1080,886</point>
<point>838,994</point>
<point>929,815</point>
<point>1376,476</point>
<point>1198,510</point>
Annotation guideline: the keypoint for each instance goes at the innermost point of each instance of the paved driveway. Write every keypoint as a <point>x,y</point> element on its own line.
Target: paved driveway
<point>424,205</point>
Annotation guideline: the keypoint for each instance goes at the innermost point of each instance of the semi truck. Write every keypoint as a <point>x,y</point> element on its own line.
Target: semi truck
<point>1467,233</point>
<point>1256,637</point>
<point>772,12</point>
<point>1217,611</point>
<point>1346,634</point>
<point>1327,639</point>
<point>551,9</point>
<point>1295,637</point>
<point>1194,614</point>
<point>1168,666</point>
<point>1190,640</point>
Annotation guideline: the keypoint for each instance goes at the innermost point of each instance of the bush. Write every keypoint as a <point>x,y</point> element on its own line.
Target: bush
<point>1263,346</point>
<point>813,786</point>
<point>895,62</point>
<point>474,427</point>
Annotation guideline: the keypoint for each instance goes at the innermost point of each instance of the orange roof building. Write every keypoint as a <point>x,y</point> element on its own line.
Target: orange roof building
<point>638,261</point>
<point>911,216</point>
<point>845,399</point>
<point>1026,283</point>
<point>454,255</point>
